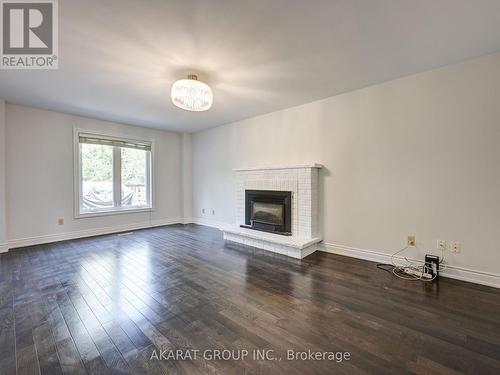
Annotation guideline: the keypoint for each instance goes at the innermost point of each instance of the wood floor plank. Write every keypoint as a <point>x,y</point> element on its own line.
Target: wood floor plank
<point>91,358</point>
<point>67,352</point>
<point>46,350</point>
<point>103,342</point>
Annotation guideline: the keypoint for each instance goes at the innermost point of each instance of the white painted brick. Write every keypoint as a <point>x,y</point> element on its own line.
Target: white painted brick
<point>302,182</point>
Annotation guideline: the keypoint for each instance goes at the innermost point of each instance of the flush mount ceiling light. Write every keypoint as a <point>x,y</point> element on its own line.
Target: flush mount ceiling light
<point>191,94</point>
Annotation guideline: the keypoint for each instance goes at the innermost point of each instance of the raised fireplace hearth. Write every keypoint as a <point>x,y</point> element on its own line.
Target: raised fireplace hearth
<point>269,211</point>
<point>277,209</point>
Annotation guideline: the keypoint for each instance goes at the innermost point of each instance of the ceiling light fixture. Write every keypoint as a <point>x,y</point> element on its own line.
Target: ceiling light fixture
<point>191,94</point>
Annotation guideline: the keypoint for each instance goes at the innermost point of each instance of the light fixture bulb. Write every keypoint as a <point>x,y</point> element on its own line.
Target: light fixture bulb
<point>191,94</point>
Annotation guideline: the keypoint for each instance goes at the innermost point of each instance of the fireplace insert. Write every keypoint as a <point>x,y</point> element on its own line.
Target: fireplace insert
<point>269,211</point>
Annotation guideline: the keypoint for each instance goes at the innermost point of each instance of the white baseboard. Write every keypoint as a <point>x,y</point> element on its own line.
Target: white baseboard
<point>208,222</point>
<point>454,272</point>
<point>38,240</point>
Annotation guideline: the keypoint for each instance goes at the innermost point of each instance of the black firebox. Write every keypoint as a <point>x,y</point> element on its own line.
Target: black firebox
<point>269,211</point>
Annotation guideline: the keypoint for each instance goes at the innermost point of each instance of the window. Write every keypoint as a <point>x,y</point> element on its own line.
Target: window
<point>114,175</point>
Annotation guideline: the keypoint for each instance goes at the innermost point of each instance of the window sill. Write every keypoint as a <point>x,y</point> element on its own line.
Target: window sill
<point>121,211</point>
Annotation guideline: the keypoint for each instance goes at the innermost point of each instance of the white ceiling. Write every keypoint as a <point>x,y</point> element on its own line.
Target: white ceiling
<point>118,58</point>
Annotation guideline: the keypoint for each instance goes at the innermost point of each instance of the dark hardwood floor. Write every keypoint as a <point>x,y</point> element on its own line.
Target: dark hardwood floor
<point>105,305</point>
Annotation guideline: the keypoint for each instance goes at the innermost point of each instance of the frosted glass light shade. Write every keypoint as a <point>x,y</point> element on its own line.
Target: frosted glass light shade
<point>192,95</point>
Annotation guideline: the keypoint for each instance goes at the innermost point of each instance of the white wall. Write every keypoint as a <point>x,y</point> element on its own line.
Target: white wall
<point>418,155</point>
<point>39,176</point>
<point>3,229</point>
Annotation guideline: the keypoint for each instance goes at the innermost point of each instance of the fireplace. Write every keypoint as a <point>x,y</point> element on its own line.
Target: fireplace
<point>281,200</point>
<point>269,211</point>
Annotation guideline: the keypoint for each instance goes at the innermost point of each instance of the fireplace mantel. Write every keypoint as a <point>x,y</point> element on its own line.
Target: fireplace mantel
<point>315,165</point>
<point>303,183</point>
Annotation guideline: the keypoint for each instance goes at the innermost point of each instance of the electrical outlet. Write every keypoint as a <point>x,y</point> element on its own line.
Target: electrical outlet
<point>60,221</point>
<point>441,245</point>
<point>456,247</point>
<point>410,240</point>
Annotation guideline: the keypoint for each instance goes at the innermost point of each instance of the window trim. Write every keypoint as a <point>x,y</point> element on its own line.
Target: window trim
<point>77,182</point>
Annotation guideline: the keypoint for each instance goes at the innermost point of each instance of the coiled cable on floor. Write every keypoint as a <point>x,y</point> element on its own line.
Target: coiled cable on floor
<point>418,270</point>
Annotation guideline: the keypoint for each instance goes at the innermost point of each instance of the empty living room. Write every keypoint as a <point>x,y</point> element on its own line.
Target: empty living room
<point>249,187</point>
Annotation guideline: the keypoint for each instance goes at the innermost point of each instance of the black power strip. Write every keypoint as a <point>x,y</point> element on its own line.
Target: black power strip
<point>431,265</point>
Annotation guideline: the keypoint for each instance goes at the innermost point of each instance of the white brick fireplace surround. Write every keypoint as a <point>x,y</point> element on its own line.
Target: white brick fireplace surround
<point>302,181</point>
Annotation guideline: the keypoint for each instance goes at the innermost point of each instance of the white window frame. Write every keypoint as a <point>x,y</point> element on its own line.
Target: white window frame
<point>77,181</point>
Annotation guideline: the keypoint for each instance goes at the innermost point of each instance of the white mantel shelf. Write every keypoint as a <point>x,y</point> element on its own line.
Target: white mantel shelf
<point>278,167</point>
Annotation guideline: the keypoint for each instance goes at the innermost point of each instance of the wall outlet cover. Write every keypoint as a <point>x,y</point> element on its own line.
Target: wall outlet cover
<point>441,245</point>
<point>410,240</point>
<point>456,247</point>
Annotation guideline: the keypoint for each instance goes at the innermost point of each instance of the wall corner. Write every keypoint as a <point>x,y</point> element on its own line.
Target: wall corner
<point>187,177</point>
<point>3,207</point>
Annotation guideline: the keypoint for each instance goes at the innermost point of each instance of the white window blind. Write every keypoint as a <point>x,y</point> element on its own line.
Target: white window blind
<point>114,142</point>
